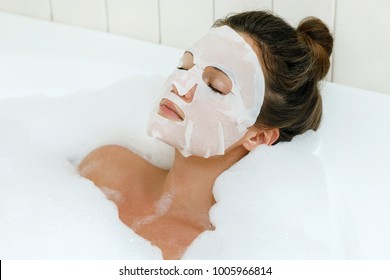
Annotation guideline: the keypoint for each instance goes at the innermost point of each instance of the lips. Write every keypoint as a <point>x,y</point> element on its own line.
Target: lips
<point>170,110</point>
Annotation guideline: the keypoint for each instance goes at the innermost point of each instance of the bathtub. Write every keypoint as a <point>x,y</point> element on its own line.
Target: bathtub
<point>70,87</point>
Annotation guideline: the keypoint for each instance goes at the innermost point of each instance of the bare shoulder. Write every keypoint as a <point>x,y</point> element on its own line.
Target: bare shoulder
<point>115,166</point>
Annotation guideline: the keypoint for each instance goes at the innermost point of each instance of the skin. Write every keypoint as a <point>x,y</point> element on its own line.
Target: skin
<point>169,207</point>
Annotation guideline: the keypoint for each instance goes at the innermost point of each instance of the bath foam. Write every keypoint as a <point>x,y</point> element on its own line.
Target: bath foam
<point>271,204</point>
<point>47,210</point>
<point>161,207</point>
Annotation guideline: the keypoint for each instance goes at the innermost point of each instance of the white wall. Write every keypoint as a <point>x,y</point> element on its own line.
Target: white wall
<point>184,21</point>
<point>361,55</point>
<point>362,45</point>
<point>33,8</point>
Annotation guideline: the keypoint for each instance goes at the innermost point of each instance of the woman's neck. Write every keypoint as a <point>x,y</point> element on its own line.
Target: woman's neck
<point>189,185</point>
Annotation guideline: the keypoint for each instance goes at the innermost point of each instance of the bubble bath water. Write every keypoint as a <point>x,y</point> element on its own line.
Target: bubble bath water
<point>48,210</point>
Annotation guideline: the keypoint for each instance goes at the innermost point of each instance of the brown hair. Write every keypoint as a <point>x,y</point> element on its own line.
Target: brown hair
<point>295,60</point>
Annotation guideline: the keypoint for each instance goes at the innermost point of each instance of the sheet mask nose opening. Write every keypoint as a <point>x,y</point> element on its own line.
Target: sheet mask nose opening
<point>184,82</point>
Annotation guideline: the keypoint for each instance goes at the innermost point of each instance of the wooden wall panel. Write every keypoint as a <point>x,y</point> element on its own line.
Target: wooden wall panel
<point>83,13</point>
<point>135,18</point>
<point>32,8</point>
<point>184,21</point>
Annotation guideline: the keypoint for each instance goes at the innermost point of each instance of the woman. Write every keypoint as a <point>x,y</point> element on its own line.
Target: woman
<point>252,80</point>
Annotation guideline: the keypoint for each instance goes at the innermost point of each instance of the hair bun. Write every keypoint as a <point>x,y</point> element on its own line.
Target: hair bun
<point>315,34</point>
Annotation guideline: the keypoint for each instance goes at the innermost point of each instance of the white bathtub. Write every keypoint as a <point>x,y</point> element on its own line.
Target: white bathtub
<point>54,60</point>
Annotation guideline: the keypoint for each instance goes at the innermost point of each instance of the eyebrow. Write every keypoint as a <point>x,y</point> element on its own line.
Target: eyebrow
<point>188,53</point>
<point>216,68</point>
<point>221,71</point>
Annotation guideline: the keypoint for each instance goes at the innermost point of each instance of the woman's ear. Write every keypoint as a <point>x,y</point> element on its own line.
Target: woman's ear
<point>258,136</point>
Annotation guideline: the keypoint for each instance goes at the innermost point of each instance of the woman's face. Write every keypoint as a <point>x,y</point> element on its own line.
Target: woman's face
<point>212,97</point>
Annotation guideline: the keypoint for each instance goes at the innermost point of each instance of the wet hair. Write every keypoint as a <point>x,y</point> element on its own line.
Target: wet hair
<point>294,62</point>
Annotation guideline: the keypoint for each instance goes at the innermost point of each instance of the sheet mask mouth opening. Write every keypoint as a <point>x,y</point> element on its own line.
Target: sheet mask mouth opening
<point>170,110</point>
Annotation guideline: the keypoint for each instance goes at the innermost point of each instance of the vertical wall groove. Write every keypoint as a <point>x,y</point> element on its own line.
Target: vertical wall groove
<point>51,10</point>
<point>214,17</point>
<point>334,38</point>
<point>159,21</point>
<point>107,18</point>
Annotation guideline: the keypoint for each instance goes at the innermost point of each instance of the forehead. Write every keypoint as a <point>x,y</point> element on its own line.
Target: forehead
<point>224,45</point>
<point>227,50</point>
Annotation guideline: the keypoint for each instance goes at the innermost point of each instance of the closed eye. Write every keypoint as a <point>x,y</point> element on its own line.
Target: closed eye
<point>217,80</point>
<point>215,90</point>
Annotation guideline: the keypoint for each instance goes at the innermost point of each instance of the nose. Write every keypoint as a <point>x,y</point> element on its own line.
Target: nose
<point>188,95</point>
<point>185,83</point>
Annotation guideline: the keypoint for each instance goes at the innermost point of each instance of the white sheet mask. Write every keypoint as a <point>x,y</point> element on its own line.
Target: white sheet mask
<point>212,122</point>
